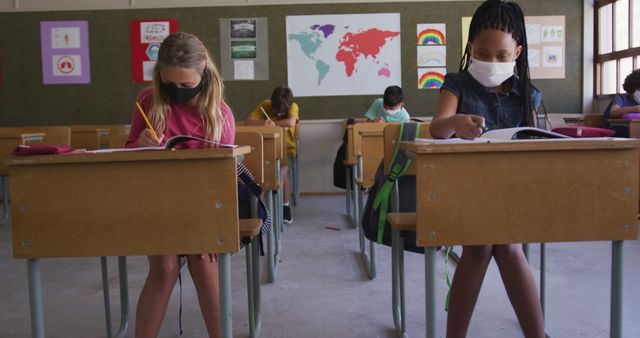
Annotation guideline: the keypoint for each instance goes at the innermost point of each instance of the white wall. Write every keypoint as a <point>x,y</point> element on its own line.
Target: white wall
<point>70,5</point>
<point>319,142</point>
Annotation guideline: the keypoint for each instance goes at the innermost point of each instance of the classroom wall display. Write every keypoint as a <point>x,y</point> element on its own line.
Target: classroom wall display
<point>343,54</point>
<point>244,49</point>
<point>431,78</point>
<point>65,52</point>
<point>432,52</point>
<point>146,37</point>
<point>546,38</point>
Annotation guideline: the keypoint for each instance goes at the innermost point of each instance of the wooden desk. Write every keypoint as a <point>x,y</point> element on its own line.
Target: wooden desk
<point>500,199</point>
<point>9,139</point>
<point>632,124</point>
<point>272,183</point>
<point>98,205</point>
<point>255,159</point>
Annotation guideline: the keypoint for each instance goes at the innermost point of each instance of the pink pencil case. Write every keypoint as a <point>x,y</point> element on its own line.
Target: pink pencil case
<point>631,116</point>
<point>41,149</point>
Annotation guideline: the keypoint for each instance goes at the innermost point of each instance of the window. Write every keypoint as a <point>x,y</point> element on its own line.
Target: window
<point>617,44</point>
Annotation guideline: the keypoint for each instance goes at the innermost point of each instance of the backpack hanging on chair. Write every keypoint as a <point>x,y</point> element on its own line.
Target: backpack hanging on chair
<point>374,217</point>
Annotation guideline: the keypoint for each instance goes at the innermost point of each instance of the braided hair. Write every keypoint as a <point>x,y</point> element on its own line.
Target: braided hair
<point>506,17</point>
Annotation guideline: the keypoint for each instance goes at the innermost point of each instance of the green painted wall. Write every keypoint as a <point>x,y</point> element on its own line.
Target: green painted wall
<point>24,100</point>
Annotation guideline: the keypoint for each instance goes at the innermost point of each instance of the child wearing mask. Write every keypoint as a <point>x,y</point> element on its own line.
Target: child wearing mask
<point>623,104</point>
<point>491,89</point>
<point>390,108</point>
<point>185,98</point>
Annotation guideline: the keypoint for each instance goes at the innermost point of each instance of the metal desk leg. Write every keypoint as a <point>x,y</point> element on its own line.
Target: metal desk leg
<point>369,262</point>
<point>271,259</point>
<point>347,190</point>
<point>124,297</point>
<point>35,298</point>
<point>224,276</point>
<point>256,285</point>
<point>397,284</point>
<point>616,289</point>
<point>430,289</point>
<point>105,293</point>
<point>5,199</point>
<point>543,278</point>
<point>296,180</point>
<point>248,251</point>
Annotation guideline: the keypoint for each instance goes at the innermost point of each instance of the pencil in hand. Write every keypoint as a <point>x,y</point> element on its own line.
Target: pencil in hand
<point>144,116</point>
<point>265,113</point>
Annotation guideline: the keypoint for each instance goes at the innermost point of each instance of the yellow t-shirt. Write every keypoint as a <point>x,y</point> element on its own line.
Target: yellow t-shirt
<point>257,114</point>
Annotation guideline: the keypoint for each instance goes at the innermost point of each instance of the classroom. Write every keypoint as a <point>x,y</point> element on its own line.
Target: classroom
<point>346,218</point>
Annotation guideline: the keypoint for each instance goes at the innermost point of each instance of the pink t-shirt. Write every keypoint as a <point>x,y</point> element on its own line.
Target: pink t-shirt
<point>182,120</point>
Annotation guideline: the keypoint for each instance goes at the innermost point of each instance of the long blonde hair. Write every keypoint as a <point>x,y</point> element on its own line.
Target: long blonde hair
<point>185,50</point>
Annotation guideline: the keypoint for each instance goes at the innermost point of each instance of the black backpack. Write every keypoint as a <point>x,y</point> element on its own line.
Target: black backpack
<point>374,229</point>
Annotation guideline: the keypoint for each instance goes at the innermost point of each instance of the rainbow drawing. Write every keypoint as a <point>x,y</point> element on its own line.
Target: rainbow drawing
<point>431,36</point>
<point>431,78</point>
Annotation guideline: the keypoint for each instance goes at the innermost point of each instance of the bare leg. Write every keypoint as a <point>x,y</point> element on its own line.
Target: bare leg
<point>205,278</point>
<point>521,288</point>
<point>465,288</point>
<point>154,298</point>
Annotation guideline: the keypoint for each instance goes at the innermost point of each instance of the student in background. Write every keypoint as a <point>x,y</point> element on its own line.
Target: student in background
<point>486,91</point>
<point>185,98</point>
<point>390,108</point>
<point>279,111</point>
<point>623,104</point>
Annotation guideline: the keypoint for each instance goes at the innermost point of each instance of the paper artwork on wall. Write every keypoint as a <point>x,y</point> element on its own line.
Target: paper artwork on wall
<point>146,37</point>
<point>65,52</point>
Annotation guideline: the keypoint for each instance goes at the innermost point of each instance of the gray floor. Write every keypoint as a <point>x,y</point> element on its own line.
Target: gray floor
<point>322,290</point>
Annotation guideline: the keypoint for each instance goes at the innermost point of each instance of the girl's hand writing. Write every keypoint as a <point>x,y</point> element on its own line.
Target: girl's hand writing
<point>269,123</point>
<point>467,126</point>
<point>148,139</point>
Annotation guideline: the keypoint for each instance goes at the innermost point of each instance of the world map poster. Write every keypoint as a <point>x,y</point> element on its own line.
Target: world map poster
<point>346,54</point>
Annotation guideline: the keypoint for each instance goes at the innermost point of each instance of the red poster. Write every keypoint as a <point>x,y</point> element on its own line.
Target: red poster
<point>146,36</point>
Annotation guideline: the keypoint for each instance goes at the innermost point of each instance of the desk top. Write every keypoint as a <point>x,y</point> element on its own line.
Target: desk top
<point>419,147</point>
<point>126,156</point>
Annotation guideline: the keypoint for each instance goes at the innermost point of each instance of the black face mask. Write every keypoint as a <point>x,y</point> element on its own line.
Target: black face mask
<point>181,95</point>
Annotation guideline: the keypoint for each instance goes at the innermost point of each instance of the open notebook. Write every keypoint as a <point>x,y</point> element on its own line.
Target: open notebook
<point>504,135</point>
<point>171,143</point>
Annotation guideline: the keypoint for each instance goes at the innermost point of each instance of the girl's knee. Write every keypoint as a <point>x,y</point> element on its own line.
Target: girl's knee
<point>509,252</point>
<point>164,270</point>
<point>479,252</point>
<point>202,267</point>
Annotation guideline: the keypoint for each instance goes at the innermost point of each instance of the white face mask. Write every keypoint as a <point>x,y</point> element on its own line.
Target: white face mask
<point>491,74</point>
<point>636,96</point>
<point>391,111</point>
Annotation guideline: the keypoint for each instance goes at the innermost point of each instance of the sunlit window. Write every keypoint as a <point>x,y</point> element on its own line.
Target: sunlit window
<point>617,43</point>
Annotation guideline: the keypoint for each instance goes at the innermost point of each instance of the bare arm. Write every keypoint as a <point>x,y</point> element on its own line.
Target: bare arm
<point>289,122</point>
<point>446,122</point>
<point>617,111</point>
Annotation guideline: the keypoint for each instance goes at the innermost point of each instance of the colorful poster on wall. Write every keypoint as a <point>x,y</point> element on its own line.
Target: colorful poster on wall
<point>345,54</point>
<point>432,52</point>
<point>146,36</point>
<point>431,78</point>
<point>65,52</point>
<point>432,34</point>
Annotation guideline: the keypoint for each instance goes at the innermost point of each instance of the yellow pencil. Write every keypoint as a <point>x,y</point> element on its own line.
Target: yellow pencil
<point>147,121</point>
<point>265,113</point>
